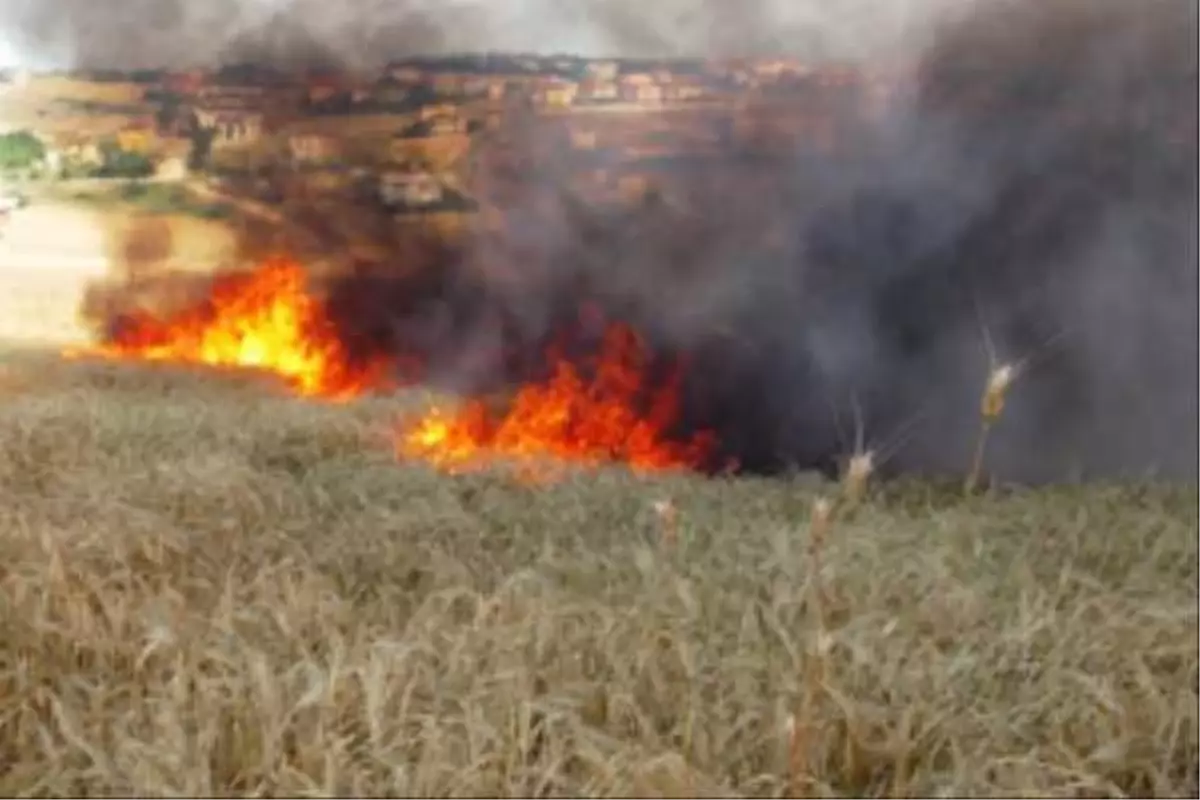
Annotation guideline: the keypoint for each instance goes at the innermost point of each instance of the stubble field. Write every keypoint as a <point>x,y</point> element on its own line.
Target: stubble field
<point>212,589</point>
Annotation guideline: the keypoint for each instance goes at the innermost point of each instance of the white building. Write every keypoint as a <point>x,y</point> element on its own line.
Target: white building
<point>410,189</point>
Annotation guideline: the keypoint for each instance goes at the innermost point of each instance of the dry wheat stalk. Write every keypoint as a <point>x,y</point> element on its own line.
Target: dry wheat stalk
<point>820,523</point>
<point>991,408</point>
<point>800,725</point>
<point>797,753</point>
<point>668,517</point>
<point>858,473</point>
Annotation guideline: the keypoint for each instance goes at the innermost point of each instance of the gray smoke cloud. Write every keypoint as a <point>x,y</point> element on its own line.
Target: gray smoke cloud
<point>1034,201</point>
<point>153,33</point>
<point>1034,192</point>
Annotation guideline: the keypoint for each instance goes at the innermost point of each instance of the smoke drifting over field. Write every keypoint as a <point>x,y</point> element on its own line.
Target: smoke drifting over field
<point>149,33</point>
<point>1035,202</point>
<point>1036,195</point>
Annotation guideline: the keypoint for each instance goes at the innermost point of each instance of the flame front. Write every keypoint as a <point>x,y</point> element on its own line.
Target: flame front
<point>266,320</point>
<point>566,419</point>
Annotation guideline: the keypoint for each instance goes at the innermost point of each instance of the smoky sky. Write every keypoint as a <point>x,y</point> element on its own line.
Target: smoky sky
<point>153,33</point>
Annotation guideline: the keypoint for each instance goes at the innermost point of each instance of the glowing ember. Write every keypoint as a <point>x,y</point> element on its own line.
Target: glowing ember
<point>568,419</point>
<point>265,320</point>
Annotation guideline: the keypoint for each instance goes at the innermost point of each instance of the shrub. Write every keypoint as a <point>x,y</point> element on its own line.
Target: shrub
<point>20,150</point>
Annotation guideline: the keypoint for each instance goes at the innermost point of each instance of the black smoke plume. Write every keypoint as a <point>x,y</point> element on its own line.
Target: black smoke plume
<point>1033,200</point>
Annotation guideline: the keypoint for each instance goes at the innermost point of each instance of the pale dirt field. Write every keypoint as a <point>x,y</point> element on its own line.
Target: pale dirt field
<point>359,124</point>
<point>15,116</point>
<point>51,254</point>
<point>50,105</point>
<point>46,88</point>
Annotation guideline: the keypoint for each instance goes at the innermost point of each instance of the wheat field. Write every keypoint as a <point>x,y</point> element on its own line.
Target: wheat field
<point>212,589</point>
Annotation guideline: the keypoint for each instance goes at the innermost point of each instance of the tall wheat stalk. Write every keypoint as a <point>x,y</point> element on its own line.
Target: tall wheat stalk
<point>858,473</point>
<point>801,725</point>
<point>991,408</point>
<point>1000,380</point>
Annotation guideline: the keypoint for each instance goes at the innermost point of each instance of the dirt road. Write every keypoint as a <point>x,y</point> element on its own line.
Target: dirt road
<point>249,207</point>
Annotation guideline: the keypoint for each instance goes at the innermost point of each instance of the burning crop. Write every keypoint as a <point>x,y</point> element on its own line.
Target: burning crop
<point>267,319</point>
<point>614,415</point>
<point>1009,184</point>
<point>606,411</point>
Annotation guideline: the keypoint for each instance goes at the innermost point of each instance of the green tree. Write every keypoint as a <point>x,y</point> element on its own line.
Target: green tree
<point>20,150</point>
<point>201,150</point>
<point>170,110</point>
<point>118,163</point>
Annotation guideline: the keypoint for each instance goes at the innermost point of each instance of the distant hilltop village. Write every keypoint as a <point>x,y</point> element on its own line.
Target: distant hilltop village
<point>429,138</point>
<point>437,141</point>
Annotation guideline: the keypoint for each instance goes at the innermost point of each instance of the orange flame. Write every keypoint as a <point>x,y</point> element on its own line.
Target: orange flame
<point>266,319</point>
<point>566,419</point>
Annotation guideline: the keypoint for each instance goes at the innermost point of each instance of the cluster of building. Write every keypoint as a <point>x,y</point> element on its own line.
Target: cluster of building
<point>419,131</point>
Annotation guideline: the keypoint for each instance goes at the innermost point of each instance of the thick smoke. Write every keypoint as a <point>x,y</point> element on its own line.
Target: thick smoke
<point>1032,198</point>
<point>1034,202</point>
<point>150,33</point>
<point>1066,181</point>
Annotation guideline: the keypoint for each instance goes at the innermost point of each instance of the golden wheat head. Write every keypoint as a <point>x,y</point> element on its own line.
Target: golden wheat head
<point>998,384</point>
<point>858,472</point>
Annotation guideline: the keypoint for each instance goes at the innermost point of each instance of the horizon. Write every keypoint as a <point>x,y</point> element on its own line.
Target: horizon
<point>149,34</point>
<point>266,64</point>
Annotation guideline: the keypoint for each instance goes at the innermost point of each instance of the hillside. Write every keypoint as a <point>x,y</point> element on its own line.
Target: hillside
<point>215,589</point>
